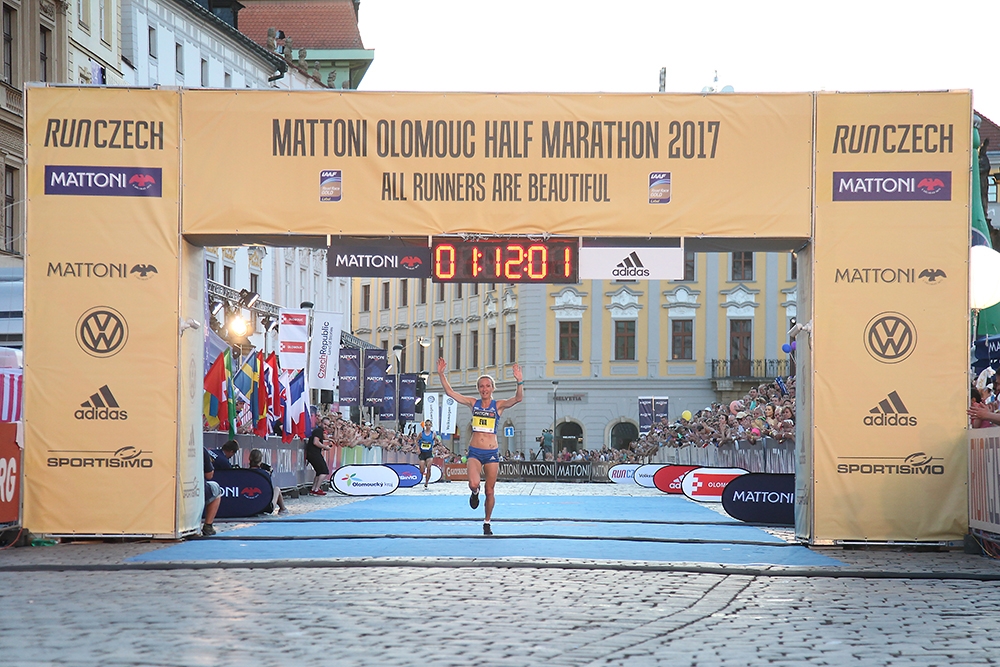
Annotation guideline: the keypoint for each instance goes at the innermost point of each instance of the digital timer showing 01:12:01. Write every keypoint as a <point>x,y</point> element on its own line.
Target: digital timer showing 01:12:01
<point>505,260</point>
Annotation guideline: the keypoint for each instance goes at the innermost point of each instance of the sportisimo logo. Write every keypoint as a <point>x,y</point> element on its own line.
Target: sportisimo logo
<point>123,457</point>
<point>630,266</point>
<point>102,406</point>
<point>890,411</point>
<point>918,463</point>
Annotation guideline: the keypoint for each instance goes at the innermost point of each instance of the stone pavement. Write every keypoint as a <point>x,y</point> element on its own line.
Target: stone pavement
<point>473,613</point>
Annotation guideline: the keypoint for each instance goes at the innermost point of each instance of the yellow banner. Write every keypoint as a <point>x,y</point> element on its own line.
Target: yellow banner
<point>890,329</point>
<point>423,164</point>
<point>101,312</point>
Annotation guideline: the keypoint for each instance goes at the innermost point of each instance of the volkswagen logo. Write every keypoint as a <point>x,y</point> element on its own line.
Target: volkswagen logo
<point>102,332</point>
<point>890,337</point>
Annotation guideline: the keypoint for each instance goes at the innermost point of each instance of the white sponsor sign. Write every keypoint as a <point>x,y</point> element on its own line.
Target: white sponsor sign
<point>631,263</point>
<point>449,414</point>
<point>436,474</point>
<point>707,484</point>
<point>432,410</point>
<point>293,338</point>
<point>324,355</point>
<point>622,473</point>
<point>365,480</point>
<point>643,475</point>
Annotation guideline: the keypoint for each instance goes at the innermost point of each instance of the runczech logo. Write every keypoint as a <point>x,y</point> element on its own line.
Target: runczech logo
<point>890,337</point>
<point>102,332</point>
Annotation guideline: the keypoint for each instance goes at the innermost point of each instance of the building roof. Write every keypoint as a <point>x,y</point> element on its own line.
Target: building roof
<point>989,130</point>
<point>312,24</point>
<point>196,7</point>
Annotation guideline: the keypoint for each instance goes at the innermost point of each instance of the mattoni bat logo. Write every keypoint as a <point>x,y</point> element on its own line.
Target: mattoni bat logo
<point>931,276</point>
<point>930,186</point>
<point>411,262</point>
<point>142,181</point>
<point>144,271</point>
<point>250,492</point>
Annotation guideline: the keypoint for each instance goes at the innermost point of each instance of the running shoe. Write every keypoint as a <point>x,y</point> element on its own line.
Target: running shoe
<point>474,500</point>
<point>283,510</point>
<point>317,493</point>
<point>487,530</point>
<point>208,530</point>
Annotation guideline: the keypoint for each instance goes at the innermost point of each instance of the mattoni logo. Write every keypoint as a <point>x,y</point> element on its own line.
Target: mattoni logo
<point>917,463</point>
<point>122,458</point>
<point>892,186</point>
<point>102,332</point>
<point>630,266</point>
<point>102,406</point>
<point>250,492</point>
<point>890,337</point>
<point>932,276</point>
<point>890,411</point>
<point>411,262</point>
<point>145,271</point>
<point>104,181</point>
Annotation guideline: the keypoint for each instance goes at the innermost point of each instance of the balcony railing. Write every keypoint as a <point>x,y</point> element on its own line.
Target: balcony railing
<point>13,99</point>
<point>750,368</point>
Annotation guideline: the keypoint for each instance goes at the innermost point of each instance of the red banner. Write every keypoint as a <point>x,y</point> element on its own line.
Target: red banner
<point>10,474</point>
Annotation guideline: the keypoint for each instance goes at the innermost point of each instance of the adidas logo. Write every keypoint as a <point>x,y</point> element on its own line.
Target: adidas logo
<point>102,406</point>
<point>630,267</point>
<point>890,411</point>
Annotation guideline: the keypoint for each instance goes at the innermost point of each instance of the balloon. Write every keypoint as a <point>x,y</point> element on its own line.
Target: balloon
<point>465,459</point>
<point>793,346</point>
<point>786,348</point>
<point>686,415</point>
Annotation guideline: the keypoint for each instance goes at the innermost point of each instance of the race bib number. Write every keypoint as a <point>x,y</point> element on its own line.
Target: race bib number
<point>483,421</point>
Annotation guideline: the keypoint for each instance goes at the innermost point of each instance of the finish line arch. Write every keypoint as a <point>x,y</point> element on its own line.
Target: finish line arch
<point>856,182</point>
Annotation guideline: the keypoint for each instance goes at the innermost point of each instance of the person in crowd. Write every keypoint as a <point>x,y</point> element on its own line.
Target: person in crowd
<point>213,496</point>
<point>484,450</point>
<point>257,463</point>
<point>427,440</point>
<point>315,446</point>
<point>221,457</point>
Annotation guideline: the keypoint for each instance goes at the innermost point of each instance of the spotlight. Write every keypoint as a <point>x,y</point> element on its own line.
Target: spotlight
<point>248,298</point>
<point>238,325</point>
<point>217,308</point>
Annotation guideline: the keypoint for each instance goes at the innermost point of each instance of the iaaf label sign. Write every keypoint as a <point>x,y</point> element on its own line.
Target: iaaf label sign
<point>707,484</point>
<point>378,261</point>
<point>668,478</point>
<point>365,480</point>
<point>623,473</point>
<point>625,259</point>
<point>643,475</point>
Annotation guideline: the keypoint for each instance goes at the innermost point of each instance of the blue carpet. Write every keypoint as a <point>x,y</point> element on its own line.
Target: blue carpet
<point>557,527</point>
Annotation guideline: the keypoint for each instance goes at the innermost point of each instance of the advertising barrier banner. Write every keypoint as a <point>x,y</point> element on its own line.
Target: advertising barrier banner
<point>669,478</point>
<point>349,373</point>
<point>407,396</point>
<point>761,498</point>
<point>245,492</point>
<point>387,411</point>
<point>984,479</point>
<point>375,369</point>
<point>10,475</point>
<point>623,473</point>
<point>364,480</point>
<point>707,484</point>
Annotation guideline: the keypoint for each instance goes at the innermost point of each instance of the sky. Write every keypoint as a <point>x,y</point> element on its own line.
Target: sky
<point>620,45</point>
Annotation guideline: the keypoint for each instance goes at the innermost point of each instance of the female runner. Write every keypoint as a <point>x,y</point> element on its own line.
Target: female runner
<point>484,452</point>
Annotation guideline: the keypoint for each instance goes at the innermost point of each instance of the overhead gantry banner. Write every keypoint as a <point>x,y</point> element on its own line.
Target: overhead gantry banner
<point>123,185</point>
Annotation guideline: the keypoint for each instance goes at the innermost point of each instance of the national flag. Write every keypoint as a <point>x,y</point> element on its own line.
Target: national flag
<point>244,379</point>
<point>215,408</point>
<point>287,422</point>
<point>260,399</point>
<point>273,389</point>
<point>295,411</point>
<point>230,392</point>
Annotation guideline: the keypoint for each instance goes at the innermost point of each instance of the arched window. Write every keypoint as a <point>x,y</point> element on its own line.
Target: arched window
<point>622,434</point>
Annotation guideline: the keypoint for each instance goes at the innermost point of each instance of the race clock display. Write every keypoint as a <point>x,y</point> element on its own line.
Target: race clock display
<point>505,260</point>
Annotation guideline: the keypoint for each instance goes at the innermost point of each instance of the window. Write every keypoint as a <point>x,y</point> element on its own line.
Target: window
<point>681,339</point>
<point>366,298</point>
<point>625,340</point>
<point>204,73</point>
<point>402,356</point>
<point>474,289</point>
<point>688,265</point>
<point>739,347</point>
<point>404,292</point>
<point>227,80</point>
<point>210,270</point>
<point>302,286</point>
<point>423,291</point>
<point>83,12</point>
<point>8,45</point>
<point>440,347</point>
<point>255,283</point>
<point>474,349</point>
<point>458,352</point>
<point>227,276</point>
<point>44,37</point>
<point>421,358</point>
<point>743,265</point>
<point>569,341</point>
<point>385,296</point>
<point>493,287</point>
<point>793,266</point>
<point>107,20</point>
<point>512,343</point>
<point>179,57</point>
<point>440,292</point>
<point>991,190</point>
<point>152,42</point>
<point>385,346</point>
<point>458,290</point>
<point>493,346</point>
<point>9,210</point>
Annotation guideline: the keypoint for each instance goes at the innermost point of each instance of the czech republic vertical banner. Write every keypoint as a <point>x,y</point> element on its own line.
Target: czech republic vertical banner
<point>101,313</point>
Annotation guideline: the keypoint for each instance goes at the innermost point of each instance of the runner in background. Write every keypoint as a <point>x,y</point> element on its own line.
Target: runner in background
<point>484,451</point>
<point>426,443</point>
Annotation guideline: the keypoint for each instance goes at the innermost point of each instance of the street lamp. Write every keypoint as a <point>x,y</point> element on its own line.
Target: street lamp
<point>397,351</point>
<point>555,390</point>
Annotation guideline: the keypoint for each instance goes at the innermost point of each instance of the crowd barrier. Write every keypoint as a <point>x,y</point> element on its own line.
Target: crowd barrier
<point>984,479</point>
<point>291,470</point>
<point>10,476</point>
